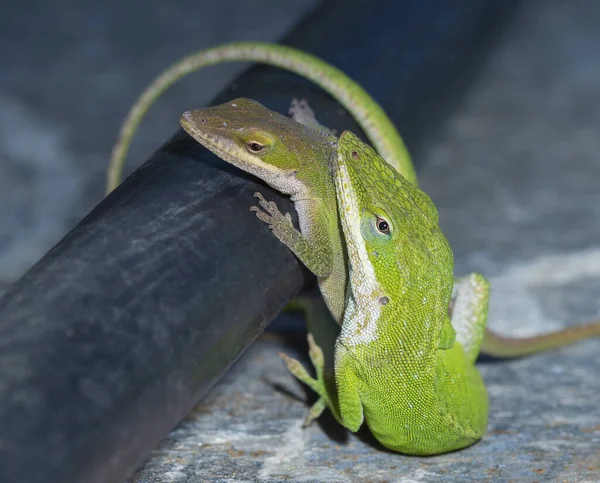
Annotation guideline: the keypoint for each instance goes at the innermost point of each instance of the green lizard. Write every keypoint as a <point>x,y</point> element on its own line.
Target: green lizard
<point>295,160</point>
<point>401,364</point>
<point>292,158</point>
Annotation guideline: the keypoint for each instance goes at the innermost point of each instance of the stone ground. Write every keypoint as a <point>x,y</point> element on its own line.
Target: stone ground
<point>522,206</point>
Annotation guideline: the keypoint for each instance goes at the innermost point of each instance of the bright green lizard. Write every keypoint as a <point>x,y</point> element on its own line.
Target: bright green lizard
<point>295,159</point>
<point>402,364</point>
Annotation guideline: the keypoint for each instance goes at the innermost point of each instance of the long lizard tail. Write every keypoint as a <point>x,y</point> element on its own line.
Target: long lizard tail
<point>369,115</point>
<point>507,347</point>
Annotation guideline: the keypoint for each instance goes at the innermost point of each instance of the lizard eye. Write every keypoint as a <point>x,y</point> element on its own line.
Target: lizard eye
<point>382,225</point>
<point>254,147</point>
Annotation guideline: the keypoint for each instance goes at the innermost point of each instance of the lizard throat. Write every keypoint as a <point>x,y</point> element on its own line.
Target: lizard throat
<point>363,309</point>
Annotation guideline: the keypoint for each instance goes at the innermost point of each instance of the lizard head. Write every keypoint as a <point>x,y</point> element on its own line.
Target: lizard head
<point>264,143</point>
<point>399,259</point>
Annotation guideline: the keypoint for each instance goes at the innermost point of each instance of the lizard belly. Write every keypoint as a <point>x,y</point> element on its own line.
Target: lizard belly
<point>447,409</point>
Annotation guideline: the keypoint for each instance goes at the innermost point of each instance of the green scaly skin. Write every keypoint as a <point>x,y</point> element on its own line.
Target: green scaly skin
<point>369,115</point>
<point>401,365</point>
<point>295,160</point>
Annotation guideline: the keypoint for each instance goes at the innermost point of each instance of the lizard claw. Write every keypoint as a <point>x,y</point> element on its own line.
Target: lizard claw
<point>269,213</point>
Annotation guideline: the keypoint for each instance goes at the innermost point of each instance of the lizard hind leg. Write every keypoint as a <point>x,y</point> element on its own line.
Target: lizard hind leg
<point>470,301</point>
<point>301,112</point>
<point>324,329</point>
<point>300,373</point>
<point>317,385</point>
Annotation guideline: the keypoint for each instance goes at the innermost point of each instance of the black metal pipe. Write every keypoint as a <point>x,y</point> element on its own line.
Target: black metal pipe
<point>109,340</point>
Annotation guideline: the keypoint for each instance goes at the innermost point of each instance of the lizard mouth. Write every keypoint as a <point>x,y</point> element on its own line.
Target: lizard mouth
<point>189,121</point>
<point>187,116</point>
<point>349,211</point>
<point>215,139</point>
<point>346,200</point>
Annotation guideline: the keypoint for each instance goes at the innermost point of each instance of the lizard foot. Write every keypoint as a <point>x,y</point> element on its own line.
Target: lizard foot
<point>301,112</point>
<point>318,385</point>
<point>317,259</point>
<point>281,225</point>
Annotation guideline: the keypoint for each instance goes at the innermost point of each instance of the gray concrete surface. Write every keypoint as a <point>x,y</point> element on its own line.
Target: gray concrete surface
<point>515,175</point>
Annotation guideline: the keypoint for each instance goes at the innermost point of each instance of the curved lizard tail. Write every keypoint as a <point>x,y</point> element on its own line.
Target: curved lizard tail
<point>496,345</point>
<point>369,115</point>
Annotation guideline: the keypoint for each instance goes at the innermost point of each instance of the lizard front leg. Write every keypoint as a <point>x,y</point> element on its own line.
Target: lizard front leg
<point>312,252</point>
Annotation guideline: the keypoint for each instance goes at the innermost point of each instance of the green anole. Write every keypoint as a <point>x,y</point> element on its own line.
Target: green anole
<point>292,158</point>
<point>402,365</point>
<point>295,159</point>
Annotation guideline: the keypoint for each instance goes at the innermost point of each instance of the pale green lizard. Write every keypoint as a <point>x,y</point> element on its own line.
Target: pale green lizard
<point>292,158</point>
<point>295,159</point>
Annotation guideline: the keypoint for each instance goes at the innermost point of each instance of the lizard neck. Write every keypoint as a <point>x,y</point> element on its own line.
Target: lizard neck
<point>414,314</point>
